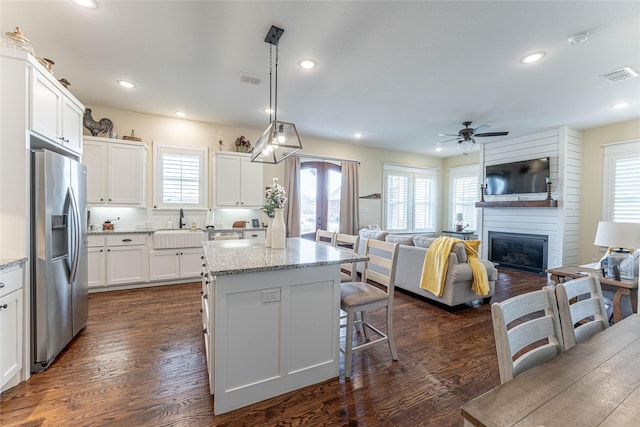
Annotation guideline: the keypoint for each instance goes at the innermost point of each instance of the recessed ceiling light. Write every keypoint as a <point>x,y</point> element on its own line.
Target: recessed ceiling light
<point>268,110</point>
<point>181,114</point>
<point>532,57</point>
<point>126,84</point>
<point>579,38</point>
<point>621,105</point>
<point>91,4</point>
<point>357,135</point>
<point>307,64</point>
<point>438,149</point>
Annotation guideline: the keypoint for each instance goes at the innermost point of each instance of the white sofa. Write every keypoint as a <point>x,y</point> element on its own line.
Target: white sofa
<point>411,254</point>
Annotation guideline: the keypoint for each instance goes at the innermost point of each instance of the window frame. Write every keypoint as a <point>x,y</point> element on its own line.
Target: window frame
<point>462,172</point>
<point>613,152</point>
<point>412,173</point>
<point>159,149</point>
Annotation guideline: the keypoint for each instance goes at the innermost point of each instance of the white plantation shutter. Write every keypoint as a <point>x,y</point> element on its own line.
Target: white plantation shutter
<point>409,198</point>
<point>621,186</point>
<point>180,177</point>
<point>464,190</point>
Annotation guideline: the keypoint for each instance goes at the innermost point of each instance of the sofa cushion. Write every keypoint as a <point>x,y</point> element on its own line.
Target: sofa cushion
<point>398,238</point>
<point>423,241</point>
<point>460,251</point>
<point>373,234</point>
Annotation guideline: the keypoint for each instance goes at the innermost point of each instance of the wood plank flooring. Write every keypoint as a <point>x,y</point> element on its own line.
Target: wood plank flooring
<point>140,362</point>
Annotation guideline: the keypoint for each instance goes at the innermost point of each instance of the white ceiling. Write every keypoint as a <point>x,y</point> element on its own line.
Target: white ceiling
<point>398,72</point>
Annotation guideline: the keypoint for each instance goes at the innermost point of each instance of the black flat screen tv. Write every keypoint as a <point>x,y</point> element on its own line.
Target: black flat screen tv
<point>518,177</point>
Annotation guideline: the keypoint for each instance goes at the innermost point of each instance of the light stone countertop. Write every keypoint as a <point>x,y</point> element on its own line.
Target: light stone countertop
<point>10,262</point>
<point>123,231</point>
<point>250,256</point>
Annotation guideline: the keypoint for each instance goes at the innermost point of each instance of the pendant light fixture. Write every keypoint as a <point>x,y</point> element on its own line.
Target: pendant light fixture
<point>280,140</point>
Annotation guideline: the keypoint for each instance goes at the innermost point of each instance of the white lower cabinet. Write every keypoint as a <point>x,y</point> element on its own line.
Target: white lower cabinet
<point>11,324</point>
<point>118,259</point>
<point>168,264</point>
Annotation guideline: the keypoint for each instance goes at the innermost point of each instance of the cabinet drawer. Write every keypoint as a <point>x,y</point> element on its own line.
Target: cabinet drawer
<point>254,234</point>
<point>94,241</point>
<point>127,239</point>
<point>10,280</point>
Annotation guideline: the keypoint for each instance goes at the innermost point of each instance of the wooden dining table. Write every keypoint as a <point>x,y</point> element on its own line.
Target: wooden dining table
<point>595,383</point>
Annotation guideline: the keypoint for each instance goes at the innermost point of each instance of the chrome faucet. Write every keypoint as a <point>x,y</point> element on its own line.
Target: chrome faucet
<point>182,224</point>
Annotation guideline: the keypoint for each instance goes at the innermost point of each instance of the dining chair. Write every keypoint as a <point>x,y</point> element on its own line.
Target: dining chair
<point>325,237</point>
<point>359,297</point>
<point>581,308</point>
<point>348,271</point>
<point>527,331</point>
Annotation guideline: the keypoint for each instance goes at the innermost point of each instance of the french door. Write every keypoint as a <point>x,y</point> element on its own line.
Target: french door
<point>320,203</point>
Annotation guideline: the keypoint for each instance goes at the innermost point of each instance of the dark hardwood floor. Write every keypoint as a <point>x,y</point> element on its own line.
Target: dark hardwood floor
<point>140,362</point>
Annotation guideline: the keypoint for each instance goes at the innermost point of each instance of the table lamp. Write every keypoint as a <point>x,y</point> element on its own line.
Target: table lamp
<point>622,238</point>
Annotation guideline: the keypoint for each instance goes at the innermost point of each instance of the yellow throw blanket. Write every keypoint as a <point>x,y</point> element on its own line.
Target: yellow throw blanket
<point>436,262</point>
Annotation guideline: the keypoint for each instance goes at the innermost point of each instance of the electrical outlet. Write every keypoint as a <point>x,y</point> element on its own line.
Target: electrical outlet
<point>271,295</point>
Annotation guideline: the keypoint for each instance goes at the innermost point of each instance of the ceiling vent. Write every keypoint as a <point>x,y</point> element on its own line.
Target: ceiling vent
<point>620,75</point>
<point>252,79</point>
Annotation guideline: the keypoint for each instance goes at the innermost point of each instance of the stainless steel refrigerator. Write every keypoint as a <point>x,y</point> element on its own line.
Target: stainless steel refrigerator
<point>59,291</point>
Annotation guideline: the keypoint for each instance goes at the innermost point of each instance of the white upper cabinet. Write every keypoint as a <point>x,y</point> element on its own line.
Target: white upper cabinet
<point>116,172</point>
<point>237,181</point>
<point>55,114</point>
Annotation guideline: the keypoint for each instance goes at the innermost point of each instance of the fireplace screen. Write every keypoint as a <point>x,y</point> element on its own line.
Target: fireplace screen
<point>527,252</point>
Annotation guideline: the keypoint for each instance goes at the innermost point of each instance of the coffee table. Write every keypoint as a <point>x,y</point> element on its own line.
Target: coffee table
<point>624,287</point>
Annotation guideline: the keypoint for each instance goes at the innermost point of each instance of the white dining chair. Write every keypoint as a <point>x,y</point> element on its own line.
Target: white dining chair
<point>358,297</point>
<point>325,237</point>
<point>347,241</point>
<point>527,331</point>
<point>581,308</point>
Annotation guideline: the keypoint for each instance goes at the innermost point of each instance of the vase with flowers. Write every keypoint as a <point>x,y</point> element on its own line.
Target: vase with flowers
<point>243,145</point>
<point>275,199</point>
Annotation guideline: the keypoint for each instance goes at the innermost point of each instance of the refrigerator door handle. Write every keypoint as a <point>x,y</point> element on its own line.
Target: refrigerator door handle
<point>75,234</point>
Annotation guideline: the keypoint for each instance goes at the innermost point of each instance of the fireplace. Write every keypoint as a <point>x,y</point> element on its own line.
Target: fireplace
<point>526,252</point>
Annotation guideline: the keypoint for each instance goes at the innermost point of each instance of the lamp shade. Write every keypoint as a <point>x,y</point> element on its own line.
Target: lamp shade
<point>618,234</point>
<point>278,142</point>
<point>459,217</point>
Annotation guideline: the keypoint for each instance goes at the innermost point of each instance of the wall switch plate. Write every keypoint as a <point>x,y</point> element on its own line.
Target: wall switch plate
<point>271,295</point>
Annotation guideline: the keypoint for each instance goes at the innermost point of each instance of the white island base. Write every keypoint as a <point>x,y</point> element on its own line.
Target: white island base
<point>272,331</point>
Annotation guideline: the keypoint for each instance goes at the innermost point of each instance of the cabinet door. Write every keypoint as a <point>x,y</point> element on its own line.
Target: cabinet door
<point>72,125</point>
<point>125,175</point>
<point>96,259</point>
<point>227,180</point>
<point>46,100</point>
<point>11,333</point>
<point>164,264</point>
<point>94,157</point>
<point>191,262</point>
<point>126,264</point>
<point>251,191</point>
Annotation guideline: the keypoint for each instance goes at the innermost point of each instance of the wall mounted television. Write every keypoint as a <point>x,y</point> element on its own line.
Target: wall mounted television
<point>518,177</point>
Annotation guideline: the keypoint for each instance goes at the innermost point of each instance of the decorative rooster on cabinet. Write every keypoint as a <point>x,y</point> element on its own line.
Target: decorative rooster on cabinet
<point>104,125</point>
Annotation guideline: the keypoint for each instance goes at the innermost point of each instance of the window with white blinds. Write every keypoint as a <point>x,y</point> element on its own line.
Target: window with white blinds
<point>409,199</point>
<point>180,176</point>
<point>621,194</point>
<point>464,190</point>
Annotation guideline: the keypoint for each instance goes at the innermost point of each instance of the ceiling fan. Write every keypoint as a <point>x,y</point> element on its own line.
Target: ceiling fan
<point>466,136</point>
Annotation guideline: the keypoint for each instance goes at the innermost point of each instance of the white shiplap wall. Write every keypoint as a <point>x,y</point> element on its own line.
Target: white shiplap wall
<point>564,148</point>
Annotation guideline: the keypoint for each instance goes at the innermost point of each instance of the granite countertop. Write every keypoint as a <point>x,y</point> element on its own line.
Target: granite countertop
<point>251,256</point>
<point>123,231</point>
<point>10,262</point>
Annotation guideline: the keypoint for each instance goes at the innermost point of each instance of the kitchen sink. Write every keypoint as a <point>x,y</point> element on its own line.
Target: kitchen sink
<point>173,239</point>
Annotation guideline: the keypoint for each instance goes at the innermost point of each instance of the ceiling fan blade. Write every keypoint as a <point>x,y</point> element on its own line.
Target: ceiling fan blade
<point>479,128</point>
<point>491,134</point>
<point>448,140</point>
<point>447,134</point>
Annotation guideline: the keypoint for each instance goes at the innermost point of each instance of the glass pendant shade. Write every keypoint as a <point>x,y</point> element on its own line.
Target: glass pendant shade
<point>278,142</point>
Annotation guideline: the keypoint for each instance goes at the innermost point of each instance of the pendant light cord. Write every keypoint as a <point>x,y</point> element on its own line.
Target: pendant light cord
<point>270,84</point>
<point>275,107</point>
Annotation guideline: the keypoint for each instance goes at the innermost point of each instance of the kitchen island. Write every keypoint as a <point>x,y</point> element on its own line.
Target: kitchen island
<point>271,318</point>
